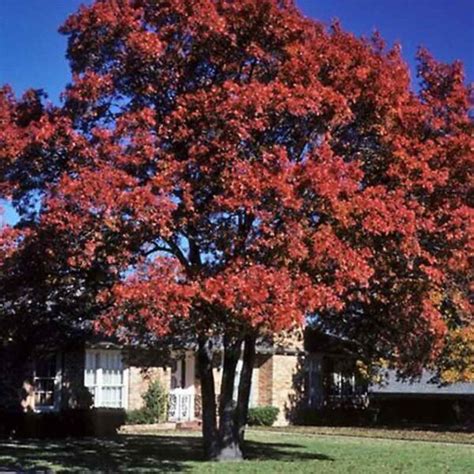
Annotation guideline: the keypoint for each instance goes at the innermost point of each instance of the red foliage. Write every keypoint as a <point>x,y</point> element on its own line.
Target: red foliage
<point>238,157</point>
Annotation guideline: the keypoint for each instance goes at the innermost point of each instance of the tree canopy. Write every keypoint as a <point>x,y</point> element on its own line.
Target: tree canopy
<point>232,167</point>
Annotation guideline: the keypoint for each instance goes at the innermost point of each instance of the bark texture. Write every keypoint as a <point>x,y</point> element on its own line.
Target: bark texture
<point>209,419</point>
<point>223,441</point>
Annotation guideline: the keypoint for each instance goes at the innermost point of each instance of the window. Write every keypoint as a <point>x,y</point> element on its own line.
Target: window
<point>343,384</point>
<point>45,381</point>
<point>341,379</point>
<point>105,378</point>
<point>315,383</point>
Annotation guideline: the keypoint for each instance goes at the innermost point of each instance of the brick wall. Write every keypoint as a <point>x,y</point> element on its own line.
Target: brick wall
<point>257,387</point>
<point>265,379</point>
<point>140,379</point>
<point>273,381</point>
<point>273,378</point>
<point>285,371</point>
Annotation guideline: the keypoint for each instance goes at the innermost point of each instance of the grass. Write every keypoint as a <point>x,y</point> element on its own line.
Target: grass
<point>422,433</point>
<point>266,452</point>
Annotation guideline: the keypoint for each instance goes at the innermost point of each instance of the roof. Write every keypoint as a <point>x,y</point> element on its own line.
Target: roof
<point>316,341</point>
<point>424,386</point>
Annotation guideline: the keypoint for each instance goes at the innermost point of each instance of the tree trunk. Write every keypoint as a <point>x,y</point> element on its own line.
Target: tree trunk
<point>229,449</point>
<point>225,444</point>
<point>245,384</point>
<point>208,395</point>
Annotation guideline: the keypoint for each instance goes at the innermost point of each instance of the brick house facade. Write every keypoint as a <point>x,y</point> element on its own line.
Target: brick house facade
<point>312,376</point>
<point>109,376</point>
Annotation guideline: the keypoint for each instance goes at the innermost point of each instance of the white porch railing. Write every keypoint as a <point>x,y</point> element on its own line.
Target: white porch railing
<point>181,404</point>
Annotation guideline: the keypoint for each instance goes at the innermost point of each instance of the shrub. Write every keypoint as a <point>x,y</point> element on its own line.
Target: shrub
<point>97,422</point>
<point>336,416</point>
<point>156,401</point>
<point>262,416</point>
<point>81,398</point>
<point>142,416</point>
<point>155,407</point>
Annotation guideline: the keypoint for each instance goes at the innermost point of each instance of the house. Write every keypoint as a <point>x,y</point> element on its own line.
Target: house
<point>111,376</point>
<point>332,378</point>
<point>310,380</point>
<point>337,391</point>
<point>424,400</point>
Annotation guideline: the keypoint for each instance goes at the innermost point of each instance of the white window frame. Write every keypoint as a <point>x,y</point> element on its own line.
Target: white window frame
<point>96,388</point>
<point>57,383</point>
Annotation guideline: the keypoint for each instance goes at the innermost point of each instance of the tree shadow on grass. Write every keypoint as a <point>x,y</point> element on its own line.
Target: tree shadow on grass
<point>155,453</point>
<point>283,452</point>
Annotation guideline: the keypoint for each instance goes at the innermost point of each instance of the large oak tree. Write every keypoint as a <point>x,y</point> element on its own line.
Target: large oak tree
<point>222,169</point>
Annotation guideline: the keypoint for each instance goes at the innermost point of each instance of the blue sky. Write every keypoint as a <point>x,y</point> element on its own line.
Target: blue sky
<point>32,53</point>
<point>445,27</point>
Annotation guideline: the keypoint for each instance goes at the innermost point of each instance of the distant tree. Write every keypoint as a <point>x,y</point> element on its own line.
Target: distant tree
<point>456,363</point>
<point>226,168</point>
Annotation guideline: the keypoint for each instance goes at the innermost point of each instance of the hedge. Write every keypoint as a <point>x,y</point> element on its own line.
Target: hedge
<point>262,416</point>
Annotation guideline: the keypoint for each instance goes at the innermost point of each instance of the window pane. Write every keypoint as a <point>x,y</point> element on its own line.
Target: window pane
<point>112,368</point>
<point>44,399</point>
<point>109,363</point>
<point>112,396</point>
<point>44,382</point>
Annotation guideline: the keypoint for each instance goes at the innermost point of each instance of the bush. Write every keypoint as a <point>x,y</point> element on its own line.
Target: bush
<point>72,422</point>
<point>156,401</point>
<point>142,416</point>
<point>155,407</point>
<point>262,416</point>
<point>334,416</point>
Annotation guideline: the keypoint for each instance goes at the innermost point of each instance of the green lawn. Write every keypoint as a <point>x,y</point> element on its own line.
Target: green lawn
<point>266,452</point>
<point>423,433</point>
